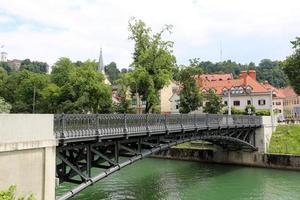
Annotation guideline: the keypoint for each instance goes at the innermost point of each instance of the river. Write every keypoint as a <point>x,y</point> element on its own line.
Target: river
<point>155,179</point>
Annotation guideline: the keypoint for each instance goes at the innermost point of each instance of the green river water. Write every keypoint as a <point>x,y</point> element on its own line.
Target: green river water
<point>155,179</point>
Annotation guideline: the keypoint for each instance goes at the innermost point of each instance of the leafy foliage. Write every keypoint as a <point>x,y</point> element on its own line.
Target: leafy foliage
<point>214,103</point>
<point>69,89</point>
<point>34,66</point>
<point>262,112</point>
<point>250,108</point>
<point>153,62</point>
<point>125,105</point>
<point>112,71</point>
<point>4,106</point>
<point>292,66</point>
<point>190,97</point>
<point>10,195</point>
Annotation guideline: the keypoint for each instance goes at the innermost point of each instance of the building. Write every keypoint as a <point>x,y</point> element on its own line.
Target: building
<point>16,64</point>
<point>291,103</point>
<point>169,99</point>
<point>3,56</point>
<point>278,98</point>
<point>238,93</point>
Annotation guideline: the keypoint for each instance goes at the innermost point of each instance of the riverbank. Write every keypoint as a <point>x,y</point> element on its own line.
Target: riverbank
<point>252,159</point>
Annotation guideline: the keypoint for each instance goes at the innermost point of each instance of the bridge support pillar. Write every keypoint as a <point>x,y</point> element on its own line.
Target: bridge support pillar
<point>263,135</point>
<point>27,154</point>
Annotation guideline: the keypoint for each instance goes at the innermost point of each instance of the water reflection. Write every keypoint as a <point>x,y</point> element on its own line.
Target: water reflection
<point>153,179</point>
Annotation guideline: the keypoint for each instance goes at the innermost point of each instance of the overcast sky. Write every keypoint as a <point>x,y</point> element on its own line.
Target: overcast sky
<point>250,30</point>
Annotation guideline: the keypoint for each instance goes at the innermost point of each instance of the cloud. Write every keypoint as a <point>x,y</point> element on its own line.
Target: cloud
<point>47,30</point>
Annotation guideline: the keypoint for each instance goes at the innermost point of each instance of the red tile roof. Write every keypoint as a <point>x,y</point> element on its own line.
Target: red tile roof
<point>278,94</point>
<point>218,85</point>
<point>288,92</point>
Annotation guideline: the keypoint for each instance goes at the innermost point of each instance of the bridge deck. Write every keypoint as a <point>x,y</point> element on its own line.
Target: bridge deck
<point>80,127</point>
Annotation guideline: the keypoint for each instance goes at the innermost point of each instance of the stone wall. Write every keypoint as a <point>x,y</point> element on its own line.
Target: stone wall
<point>254,159</point>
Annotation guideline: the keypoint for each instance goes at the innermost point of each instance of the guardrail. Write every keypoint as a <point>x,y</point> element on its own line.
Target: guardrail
<point>91,125</point>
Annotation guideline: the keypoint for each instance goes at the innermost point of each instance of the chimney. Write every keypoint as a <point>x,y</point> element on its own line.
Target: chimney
<point>243,76</point>
<point>252,74</point>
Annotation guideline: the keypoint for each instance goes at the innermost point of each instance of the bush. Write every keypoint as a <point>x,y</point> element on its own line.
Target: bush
<point>251,108</point>
<point>263,112</point>
<point>10,195</point>
<point>234,111</point>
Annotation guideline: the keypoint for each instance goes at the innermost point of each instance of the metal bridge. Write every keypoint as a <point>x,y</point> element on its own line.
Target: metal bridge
<point>110,142</point>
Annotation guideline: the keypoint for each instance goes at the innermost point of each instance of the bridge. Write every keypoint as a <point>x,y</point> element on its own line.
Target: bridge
<point>99,141</point>
<point>91,147</point>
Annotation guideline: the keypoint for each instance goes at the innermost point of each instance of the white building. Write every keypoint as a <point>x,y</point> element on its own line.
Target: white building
<point>239,93</point>
<point>3,57</point>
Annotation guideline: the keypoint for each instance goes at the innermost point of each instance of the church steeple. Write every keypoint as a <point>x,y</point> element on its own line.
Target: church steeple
<point>100,65</point>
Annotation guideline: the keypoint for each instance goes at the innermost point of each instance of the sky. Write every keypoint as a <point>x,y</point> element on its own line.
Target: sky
<point>46,30</point>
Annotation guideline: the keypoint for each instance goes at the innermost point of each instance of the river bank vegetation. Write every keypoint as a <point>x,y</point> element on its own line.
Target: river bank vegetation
<point>286,139</point>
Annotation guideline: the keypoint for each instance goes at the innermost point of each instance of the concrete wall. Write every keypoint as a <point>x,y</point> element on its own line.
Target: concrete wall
<point>254,159</point>
<point>263,135</point>
<point>27,154</point>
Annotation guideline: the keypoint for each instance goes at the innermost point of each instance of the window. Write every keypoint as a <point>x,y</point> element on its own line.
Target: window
<point>225,103</point>
<point>177,107</point>
<point>236,103</point>
<point>261,102</point>
<point>278,103</point>
<point>248,102</point>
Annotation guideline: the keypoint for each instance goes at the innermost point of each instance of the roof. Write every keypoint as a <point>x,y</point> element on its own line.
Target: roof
<point>278,93</point>
<point>288,92</point>
<point>216,77</point>
<point>219,85</point>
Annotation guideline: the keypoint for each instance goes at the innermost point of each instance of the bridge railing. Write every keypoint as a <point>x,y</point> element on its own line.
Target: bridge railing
<point>90,125</point>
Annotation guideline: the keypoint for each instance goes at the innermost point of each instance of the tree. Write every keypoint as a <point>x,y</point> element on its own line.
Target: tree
<point>112,71</point>
<point>292,66</point>
<point>6,66</point>
<point>4,106</point>
<point>214,103</point>
<point>125,105</point>
<point>153,62</point>
<point>34,66</point>
<point>77,89</point>
<point>190,97</point>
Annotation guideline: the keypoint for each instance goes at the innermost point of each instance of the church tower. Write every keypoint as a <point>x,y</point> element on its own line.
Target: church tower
<point>100,68</point>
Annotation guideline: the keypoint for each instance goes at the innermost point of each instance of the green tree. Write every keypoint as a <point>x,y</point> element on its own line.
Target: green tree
<point>28,92</point>
<point>77,89</point>
<point>6,66</point>
<point>213,103</point>
<point>125,105</point>
<point>190,97</point>
<point>153,62</point>
<point>112,71</point>
<point>34,66</point>
<point>292,66</point>
<point>4,106</point>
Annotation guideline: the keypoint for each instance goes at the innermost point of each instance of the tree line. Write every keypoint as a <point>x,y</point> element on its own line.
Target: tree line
<point>76,87</point>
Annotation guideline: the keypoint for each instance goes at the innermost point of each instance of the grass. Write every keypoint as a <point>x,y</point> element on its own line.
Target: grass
<point>286,140</point>
<point>197,145</point>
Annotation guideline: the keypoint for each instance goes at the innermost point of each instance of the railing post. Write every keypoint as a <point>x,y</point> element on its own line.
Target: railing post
<point>181,121</point>
<point>195,123</point>
<point>125,124</point>
<point>206,120</point>
<point>97,125</point>
<point>63,126</point>
<point>166,124</point>
<point>147,123</point>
